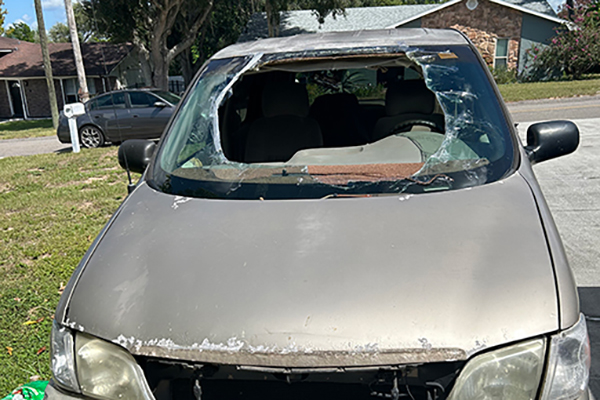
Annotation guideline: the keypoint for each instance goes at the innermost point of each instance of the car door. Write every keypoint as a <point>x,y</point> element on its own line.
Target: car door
<point>110,113</point>
<point>147,119</point>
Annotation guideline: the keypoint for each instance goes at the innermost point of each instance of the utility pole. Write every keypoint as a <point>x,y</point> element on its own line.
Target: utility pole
<point>85,95</point>
<point>47,65</point>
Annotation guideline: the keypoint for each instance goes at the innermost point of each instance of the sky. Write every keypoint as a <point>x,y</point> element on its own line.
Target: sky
<point>54,11</point>
<point>24,11</point>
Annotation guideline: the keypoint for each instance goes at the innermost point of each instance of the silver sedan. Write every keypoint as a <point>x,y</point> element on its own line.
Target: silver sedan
<point>121,115</point>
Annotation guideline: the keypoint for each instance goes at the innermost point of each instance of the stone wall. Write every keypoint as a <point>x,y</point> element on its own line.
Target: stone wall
<point>483,25</point>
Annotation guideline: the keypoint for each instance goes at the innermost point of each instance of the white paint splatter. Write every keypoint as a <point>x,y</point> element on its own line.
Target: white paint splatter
<point>179,200</point>
<point>232,345</point>
<point>425,344</point>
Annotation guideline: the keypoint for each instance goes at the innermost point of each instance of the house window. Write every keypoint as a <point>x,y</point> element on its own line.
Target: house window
<point>72,88</point>
<point>501,58</point>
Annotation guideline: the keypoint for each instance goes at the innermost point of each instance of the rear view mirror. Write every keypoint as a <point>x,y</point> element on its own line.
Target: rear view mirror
<point>135,154</point>
<point>547,140</point>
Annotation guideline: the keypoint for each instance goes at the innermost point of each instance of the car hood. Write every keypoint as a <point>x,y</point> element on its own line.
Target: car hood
<point>298,283</point>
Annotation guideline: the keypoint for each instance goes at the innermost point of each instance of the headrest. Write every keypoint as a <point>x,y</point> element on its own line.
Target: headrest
<point>284,98</point>
<point>411,96</point>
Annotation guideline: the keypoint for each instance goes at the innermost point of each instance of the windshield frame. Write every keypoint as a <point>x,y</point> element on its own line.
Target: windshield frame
<point>263,59</point>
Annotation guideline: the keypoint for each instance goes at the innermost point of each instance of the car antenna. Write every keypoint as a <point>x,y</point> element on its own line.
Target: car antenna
<point>130,185</point>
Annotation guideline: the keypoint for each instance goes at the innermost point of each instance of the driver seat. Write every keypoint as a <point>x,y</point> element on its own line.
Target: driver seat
<point>407,101</point>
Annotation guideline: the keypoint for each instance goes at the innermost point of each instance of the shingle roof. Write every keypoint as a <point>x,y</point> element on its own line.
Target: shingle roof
<point>540,6</point>
<point>8,43</point>
<point>27,61</point>
<point>304,21</point>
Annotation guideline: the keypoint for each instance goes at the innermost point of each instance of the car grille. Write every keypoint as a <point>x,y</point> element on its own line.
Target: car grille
<point>173,380</point>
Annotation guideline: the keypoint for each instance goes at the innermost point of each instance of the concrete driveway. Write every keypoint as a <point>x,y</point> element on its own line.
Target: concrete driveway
<point>571,186</point>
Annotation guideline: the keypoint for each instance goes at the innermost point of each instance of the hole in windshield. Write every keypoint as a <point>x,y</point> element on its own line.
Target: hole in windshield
<point>304,126</point>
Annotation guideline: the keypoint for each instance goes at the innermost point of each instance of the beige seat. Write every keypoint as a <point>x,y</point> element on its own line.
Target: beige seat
<point>408,103</point>
<point>285,127</point>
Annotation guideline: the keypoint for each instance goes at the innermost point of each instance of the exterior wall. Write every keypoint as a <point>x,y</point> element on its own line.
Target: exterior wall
<point>535,32</point>
<point>129,73</point>
<point>4,101</point>
<point>413,24</point>
<point>483,25</point>
<point>36,93</point>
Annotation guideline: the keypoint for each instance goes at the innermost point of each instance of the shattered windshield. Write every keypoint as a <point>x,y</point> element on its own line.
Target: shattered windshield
<point>366,122</point>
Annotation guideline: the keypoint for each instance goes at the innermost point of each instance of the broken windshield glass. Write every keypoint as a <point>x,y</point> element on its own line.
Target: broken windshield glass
<point>354,122</point>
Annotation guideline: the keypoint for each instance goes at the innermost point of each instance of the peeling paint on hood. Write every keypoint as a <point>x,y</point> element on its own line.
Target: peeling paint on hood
<point>235,282</point>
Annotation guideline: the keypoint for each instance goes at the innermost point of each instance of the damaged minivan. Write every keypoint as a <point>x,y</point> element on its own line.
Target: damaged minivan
<point>340,215</point>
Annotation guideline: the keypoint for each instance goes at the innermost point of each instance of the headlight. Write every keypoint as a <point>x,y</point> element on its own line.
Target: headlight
<point>62,361</point>
<point>509,373</point>
<point>568,364</point>
<point>96,368</point>
<point>107,371</point>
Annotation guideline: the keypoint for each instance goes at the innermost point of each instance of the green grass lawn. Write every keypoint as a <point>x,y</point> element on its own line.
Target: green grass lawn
<point>548,90</point>
<point>26,129</point>
<point>51,208</point>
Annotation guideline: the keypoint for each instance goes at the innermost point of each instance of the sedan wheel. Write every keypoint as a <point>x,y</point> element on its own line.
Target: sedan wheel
<point>91,137</point>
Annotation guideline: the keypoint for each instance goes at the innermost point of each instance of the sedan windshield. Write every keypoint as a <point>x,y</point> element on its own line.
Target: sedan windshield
<point>168,96</point>
<point>364,122</point>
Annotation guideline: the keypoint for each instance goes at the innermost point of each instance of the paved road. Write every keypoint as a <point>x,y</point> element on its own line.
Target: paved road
<point>28,147</point>
<point>585,107</point>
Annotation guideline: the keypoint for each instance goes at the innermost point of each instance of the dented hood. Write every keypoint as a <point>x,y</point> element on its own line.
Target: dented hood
<point>331,282</point>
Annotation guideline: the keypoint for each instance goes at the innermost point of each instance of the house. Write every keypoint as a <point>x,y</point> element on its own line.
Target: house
<point>23,88</point>
<point>502,30</point>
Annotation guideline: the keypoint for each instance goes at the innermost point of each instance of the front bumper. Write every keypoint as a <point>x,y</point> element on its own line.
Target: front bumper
<point>63,133</point>
<point>54,393</point>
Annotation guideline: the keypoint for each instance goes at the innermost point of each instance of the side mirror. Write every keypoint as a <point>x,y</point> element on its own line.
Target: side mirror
<point>160,104</point>
<point>547,140</point>
<point>135,154</point>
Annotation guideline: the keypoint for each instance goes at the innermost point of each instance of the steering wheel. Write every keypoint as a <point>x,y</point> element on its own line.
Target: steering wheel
<point>405,126</point>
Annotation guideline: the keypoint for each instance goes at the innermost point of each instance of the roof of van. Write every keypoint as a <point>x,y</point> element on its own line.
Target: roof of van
<point>405,37</point>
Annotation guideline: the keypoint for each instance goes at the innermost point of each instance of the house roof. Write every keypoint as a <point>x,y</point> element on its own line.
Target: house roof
<point>26,61</point>
<point>8,44</point>
<point>304,21</point>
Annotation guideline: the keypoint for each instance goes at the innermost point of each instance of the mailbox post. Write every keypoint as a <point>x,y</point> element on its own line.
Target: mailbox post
<point>72,111</point>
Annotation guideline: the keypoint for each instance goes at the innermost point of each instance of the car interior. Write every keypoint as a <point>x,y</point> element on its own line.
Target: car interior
<point>275,114</point>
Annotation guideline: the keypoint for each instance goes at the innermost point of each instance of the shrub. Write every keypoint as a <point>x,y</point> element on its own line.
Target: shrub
<point>574,51</point>
<point>504,75</point>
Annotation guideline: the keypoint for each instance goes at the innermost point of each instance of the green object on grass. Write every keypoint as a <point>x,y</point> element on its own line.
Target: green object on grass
<point>29,391</point>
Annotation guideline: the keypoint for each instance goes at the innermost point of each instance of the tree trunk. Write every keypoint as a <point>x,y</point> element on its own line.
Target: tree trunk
<point>160,75</point>
<point>47,65</point>
<point>269,11</point>
<point>187,68</point>
<point>161,56</point>
<point>85,95</point>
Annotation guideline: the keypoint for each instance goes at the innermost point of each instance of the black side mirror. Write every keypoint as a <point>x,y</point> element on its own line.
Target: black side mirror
<point>547,140</point>
<point>135,154</point>
<point>160,104</point>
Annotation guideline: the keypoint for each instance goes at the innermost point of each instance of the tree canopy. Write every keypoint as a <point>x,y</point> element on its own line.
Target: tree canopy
<point>149,26</point>
<point>162,30</point>
<point>574,51</point>
<point>21,31</point>
<point>59,33</point>
<point>3,13</point>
